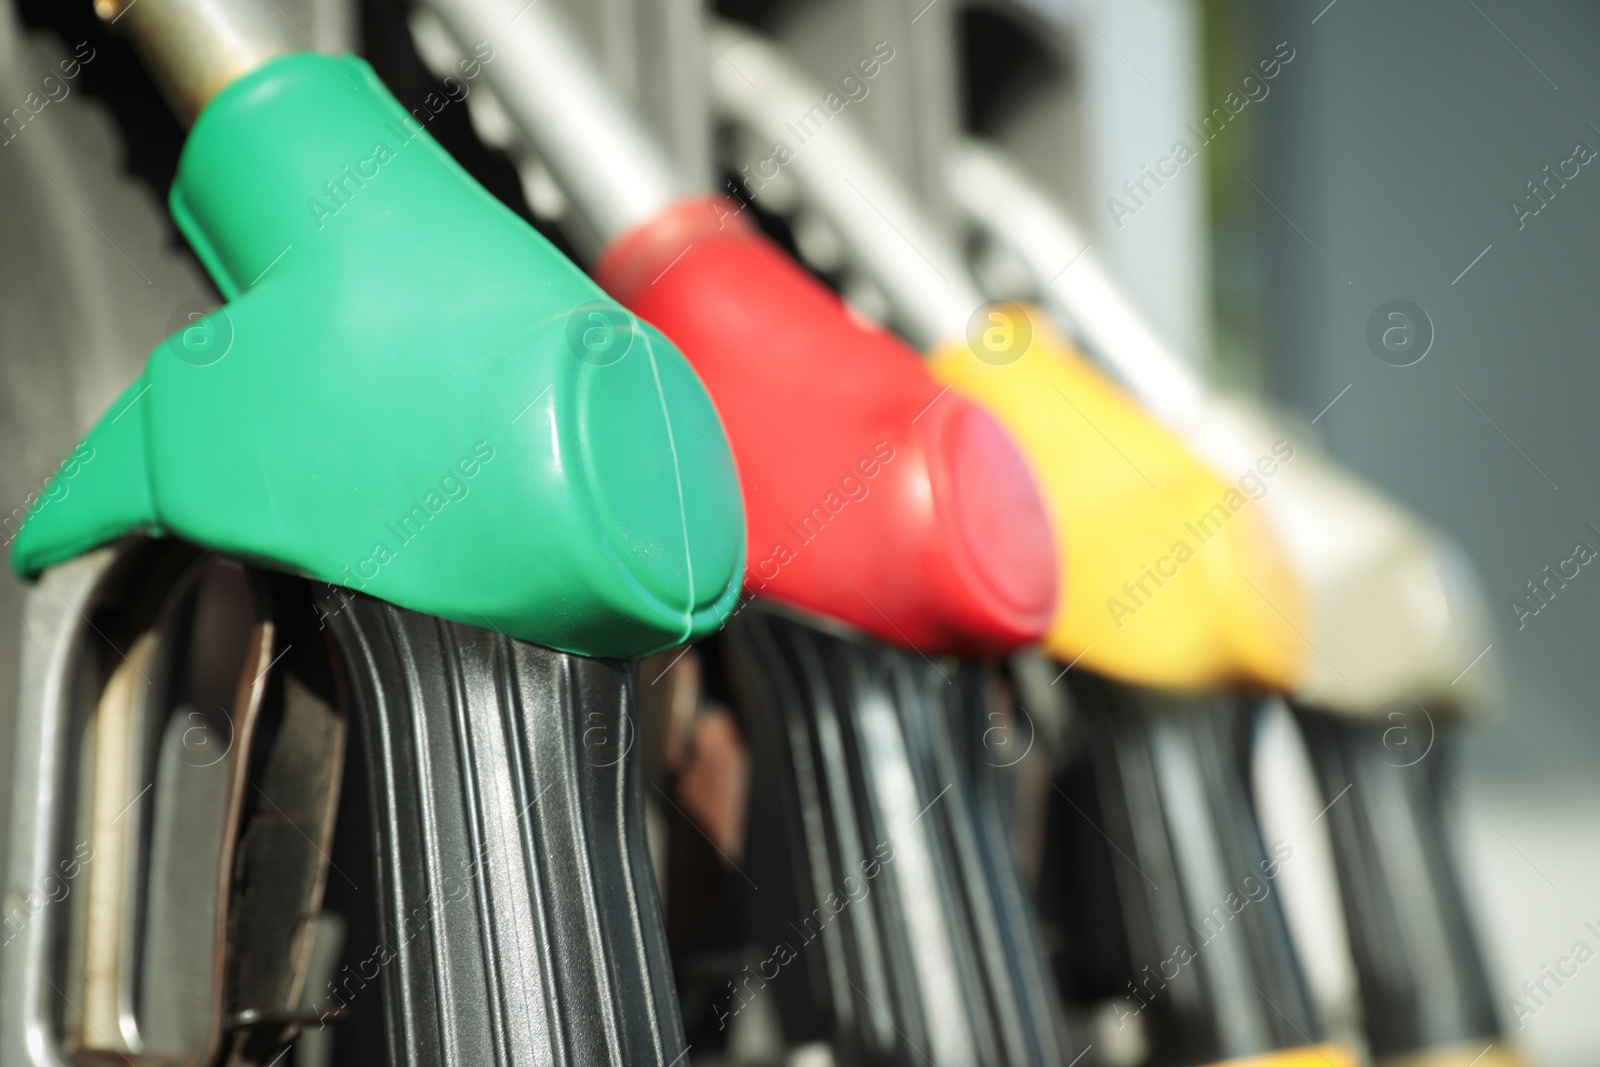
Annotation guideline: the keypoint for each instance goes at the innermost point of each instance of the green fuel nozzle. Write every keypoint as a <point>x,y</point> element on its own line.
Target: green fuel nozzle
<point>403,394</point>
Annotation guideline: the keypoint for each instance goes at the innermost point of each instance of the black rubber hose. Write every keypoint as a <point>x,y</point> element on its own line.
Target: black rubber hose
<point>900,902</point>
<point>1421,974</point>
<point>517,912</point>
<point>1164,886</point>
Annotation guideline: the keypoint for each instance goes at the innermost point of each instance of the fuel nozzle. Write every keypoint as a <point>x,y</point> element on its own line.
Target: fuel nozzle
<point>873,496</point>
<point>403,394</point>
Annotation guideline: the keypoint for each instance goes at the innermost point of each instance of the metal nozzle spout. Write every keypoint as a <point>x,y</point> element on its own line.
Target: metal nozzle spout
<point>196,47</point>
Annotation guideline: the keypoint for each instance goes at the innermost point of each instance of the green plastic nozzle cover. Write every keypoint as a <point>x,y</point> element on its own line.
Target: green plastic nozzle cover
<point>410,392</point>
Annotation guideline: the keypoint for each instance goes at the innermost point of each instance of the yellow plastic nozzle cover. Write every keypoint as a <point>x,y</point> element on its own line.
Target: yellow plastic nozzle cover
<point>1467,1054</point>
<point>1169,575</point>
<point>1327,1055</point>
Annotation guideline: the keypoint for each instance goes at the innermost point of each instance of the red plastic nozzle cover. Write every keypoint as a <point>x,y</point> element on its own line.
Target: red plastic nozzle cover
<point>872,496</point>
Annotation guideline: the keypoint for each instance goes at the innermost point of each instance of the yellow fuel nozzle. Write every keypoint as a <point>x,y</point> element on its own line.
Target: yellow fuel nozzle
<point>1169,575</point>
<point>1326,1055</point>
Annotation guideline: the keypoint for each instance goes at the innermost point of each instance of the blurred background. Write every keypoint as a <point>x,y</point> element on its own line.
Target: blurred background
<point>1389,158</point>
<point>1397,151</point>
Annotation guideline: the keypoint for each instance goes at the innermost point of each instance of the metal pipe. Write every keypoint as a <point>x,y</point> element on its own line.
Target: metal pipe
<point>608,165</point>
<point>196,47</point>
<point>915,263</point>
<point>1074,284</point>
<point>56,623</point>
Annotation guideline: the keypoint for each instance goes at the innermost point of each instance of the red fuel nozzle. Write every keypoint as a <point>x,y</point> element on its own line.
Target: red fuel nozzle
<point>872,495</point>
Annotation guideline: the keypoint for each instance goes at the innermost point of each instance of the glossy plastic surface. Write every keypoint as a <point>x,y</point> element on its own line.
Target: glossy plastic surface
<point>1396,611</point>
<point>1392,602</point>
<point>403,394</point>
<point>1306,1056</point>
<point>1170,576</point>
<point>872,496</point>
